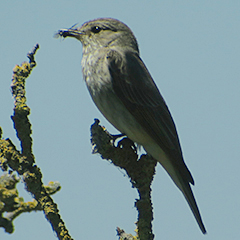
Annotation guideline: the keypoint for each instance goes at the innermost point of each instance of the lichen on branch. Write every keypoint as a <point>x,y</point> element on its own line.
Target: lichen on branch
<point>140,171</point>
<point>23,162</point>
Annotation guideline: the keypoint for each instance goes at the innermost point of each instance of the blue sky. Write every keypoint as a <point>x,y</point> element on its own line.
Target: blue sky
<point>192,50</point>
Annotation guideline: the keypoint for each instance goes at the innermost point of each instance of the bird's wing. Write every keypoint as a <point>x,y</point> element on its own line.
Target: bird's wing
<point>135,87</point>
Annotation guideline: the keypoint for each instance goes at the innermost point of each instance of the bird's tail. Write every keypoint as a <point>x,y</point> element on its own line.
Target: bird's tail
<point>188,194</point>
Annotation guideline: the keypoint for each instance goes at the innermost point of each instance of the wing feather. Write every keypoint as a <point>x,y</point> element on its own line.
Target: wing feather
<point>135,87</point>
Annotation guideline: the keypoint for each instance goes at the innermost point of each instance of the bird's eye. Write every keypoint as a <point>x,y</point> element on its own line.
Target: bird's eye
<point>96,29</point>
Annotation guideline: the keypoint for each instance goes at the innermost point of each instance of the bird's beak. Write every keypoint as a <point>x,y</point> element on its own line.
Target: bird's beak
<point>69,32</point>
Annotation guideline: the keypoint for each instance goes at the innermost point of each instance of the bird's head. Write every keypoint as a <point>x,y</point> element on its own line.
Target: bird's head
<point>102,32</point>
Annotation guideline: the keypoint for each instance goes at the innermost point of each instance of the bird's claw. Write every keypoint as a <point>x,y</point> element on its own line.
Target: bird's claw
<point>127,142</point>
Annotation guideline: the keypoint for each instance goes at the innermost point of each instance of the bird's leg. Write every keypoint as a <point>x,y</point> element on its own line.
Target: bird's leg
<point>116,136</point>
<point>127,142</point>
<point>124,142</point>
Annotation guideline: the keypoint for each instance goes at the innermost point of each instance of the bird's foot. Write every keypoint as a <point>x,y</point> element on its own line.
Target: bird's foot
<point>127,142</point>
<point>116,136</point>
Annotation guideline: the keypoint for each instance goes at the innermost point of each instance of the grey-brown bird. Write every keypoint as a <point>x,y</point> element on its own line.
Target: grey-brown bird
<point>125,93</point>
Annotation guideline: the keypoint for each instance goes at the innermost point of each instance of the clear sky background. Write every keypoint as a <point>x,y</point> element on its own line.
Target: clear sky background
<point>192,50</point>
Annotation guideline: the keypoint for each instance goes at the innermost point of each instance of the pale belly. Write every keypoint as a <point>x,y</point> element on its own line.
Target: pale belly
<point>117,114</point>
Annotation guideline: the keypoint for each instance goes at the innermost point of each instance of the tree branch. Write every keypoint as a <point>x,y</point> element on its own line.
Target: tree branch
<point>23,162</point>
<point>140,172</point>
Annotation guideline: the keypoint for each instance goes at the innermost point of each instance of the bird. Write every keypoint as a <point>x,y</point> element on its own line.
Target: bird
<point>126,94</point>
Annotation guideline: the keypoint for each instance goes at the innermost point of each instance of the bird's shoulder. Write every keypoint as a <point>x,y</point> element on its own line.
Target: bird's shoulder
<point>128,71</point>
<point>119,57</point>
